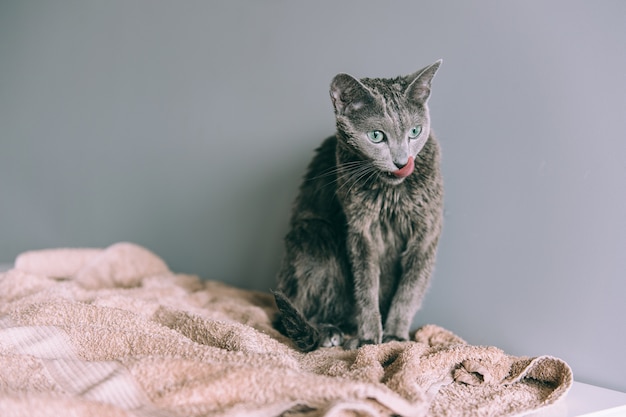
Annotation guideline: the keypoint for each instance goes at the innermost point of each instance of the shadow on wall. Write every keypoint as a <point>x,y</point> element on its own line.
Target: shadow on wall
<point>252,220</point>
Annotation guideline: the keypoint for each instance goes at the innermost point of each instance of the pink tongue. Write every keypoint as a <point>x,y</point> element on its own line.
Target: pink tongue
<point>406,170</point>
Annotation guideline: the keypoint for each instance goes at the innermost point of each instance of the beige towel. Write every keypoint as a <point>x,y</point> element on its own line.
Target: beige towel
<point>112,332</point>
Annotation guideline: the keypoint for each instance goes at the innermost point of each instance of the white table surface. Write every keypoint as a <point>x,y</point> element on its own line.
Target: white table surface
<point>589,401</point>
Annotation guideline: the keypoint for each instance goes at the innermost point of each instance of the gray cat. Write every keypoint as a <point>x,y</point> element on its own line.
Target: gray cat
<point>365,225</point>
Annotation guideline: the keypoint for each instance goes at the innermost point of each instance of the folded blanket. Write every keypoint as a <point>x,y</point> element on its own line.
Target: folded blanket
<point>112,332</point>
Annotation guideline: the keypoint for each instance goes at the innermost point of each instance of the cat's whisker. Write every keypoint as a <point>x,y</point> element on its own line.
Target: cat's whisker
<point>347,173</point>
<point>336,169</point>
<point>373,172</point>
<point>357,176</point>
<point>374,175</point>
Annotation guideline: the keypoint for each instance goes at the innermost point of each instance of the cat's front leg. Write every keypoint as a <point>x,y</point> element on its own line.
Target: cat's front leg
<point>366,276</point>
<point>417,267</point>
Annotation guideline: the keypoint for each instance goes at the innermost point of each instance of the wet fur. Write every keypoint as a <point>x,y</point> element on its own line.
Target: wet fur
<point>362,243</point>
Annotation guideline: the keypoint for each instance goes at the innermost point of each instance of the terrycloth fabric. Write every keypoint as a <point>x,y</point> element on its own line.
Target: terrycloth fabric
<point>113,332</point>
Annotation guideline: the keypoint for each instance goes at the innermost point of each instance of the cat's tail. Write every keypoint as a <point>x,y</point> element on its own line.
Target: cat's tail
<point>307,336</point>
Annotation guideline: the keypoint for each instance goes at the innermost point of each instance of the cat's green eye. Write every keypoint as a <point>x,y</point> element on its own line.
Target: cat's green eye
<point>376,136</point>
<point>415,131</point>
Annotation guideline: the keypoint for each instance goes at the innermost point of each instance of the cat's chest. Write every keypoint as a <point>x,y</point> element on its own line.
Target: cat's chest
<point>390,232</point>
<point>387,221</point>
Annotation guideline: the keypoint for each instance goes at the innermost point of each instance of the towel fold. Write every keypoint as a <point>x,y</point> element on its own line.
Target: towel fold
<point>113,332</point>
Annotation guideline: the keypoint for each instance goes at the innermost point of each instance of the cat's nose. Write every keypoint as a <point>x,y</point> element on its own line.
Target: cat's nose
<point>401,164</point>
<point>406,169</point>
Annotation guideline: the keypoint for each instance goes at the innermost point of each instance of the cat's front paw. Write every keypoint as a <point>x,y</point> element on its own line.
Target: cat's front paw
<point>391,338</point>
<point>356,343</point>
<point>330,336</point>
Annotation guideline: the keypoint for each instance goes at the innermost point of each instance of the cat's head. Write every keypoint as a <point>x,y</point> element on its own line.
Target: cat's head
<point>386,121</point>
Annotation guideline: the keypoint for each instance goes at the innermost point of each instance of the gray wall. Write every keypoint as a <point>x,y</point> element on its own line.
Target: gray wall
<point>186,126</point>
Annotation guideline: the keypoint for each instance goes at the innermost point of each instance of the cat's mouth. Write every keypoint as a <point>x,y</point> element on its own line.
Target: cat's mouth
<point>406,170</point>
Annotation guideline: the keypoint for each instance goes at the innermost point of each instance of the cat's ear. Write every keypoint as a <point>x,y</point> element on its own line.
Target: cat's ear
<point>419,89</point>
<point>348,94</point>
